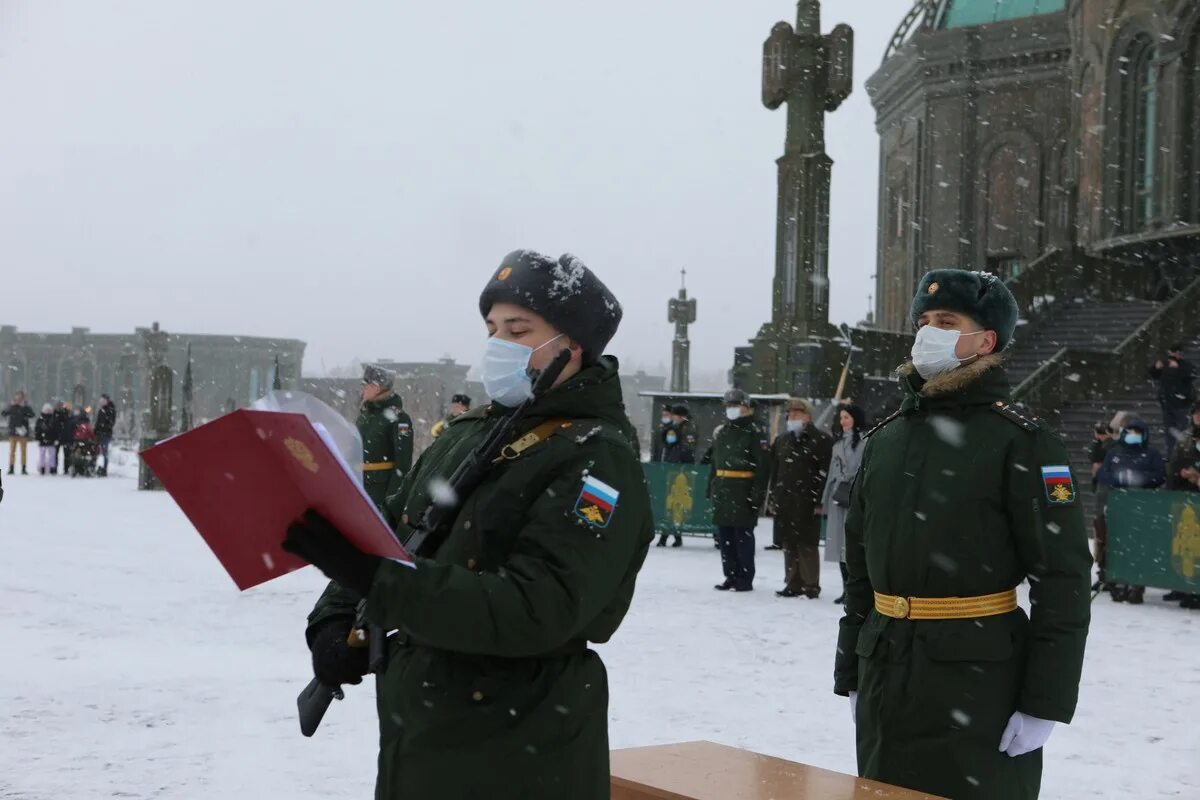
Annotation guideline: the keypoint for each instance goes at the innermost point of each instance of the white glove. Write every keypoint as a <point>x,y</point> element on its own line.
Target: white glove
<point>854,707</point>
<point>1024,734</point>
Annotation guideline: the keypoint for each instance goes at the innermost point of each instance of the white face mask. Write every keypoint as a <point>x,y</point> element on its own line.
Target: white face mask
<point>933,351</point>
<point>733,412</point>
<point>795,425</point>
<point>505,370</point>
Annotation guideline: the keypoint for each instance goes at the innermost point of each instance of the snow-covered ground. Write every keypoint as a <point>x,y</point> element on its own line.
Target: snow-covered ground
<point>131,667</point>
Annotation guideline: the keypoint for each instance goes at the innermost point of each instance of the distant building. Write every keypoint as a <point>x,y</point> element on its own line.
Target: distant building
<point>1040,136</point>
<point>77,367</point>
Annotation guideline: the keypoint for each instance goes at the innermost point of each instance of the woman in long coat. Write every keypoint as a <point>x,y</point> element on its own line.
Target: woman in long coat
<point>847,455</point>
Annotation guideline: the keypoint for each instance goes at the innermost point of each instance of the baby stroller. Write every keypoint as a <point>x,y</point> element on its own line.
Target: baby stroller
<point>86,450</point>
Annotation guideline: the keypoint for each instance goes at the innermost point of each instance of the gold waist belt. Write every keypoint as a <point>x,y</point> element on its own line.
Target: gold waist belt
<point>376,466</point>
<point>985,605</point>
<point>735,473</point>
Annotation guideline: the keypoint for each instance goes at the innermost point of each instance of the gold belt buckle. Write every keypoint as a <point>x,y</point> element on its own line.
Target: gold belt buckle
<point>900,607</point>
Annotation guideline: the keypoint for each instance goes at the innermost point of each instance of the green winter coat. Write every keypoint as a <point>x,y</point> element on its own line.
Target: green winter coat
<point>387,438</point>
<point>799,467</point>
<point>496,695</point>
<point>950,502</point>
<point>739,446</point>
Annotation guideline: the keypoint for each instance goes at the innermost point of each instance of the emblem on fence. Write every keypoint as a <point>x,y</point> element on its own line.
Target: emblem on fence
<point>1185,546</point>
<point>679,499</point>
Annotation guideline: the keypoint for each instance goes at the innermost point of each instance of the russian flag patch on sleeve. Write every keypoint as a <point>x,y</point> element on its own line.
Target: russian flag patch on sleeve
<point>1060,489</point>
<point>597,502</point>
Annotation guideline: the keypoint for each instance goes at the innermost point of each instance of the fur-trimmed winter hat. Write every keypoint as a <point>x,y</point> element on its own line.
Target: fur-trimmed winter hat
<point>736,397</point>
<point>379,376</point>
<point>565,293</point>
<point>980,295</point>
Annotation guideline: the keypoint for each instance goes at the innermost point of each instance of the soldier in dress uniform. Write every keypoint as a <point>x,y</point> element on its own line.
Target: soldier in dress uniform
<point>459,405</point>
<point>740,457</point>
<point>491,689</point>
<point>960,498</point>
<point>387,436</point>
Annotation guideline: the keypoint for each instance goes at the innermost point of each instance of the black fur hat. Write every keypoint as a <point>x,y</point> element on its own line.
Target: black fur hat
<point>565,293</point>
<point>980,295</point>
<point>379,376</point>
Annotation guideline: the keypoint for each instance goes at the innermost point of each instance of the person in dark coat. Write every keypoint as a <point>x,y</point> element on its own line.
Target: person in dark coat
<point>1175,378</point>
<point>678,447</point>
<point>47,438</point>
<point>960,498</point>
<point>65,434</point>
<point>491,690</point>
<point>1131,463</point>
<point>799,468</point>
<point>387,437</point>
<point>1181,468</point>
<point>1102,438</point>
<point>459,405</point>
<point>679,440</point>
<point>740,456</point>
<point>106,423</point>
<point>1183,475</point>
<point>20,423</point>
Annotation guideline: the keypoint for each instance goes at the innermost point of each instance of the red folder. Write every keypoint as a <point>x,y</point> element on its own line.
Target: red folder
<point>243,478</point>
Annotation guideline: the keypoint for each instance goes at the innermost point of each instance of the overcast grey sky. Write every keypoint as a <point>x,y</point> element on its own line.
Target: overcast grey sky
<point>349,173</point>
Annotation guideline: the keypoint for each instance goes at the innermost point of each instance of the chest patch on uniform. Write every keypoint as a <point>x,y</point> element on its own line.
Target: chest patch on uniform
<point>1060,489</point>
<point>597,502</point>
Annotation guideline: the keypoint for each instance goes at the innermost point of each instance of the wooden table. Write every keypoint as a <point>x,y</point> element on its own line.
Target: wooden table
<point>708,771</point>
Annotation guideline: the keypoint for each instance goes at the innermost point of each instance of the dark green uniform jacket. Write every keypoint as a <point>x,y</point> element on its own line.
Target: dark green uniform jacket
<point>387,438</point>
<point>497,696</point>
<point>740,446</point>
<point>799,467</point>
<point>951,502</point>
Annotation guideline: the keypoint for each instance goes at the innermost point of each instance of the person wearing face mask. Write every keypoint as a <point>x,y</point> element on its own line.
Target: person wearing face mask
<point>1131,463</point>
<point>678,447</point>
<point>490,689</point>
<point>387,437</point>
<point>740,457</point>
<point>680,439</point>
<point>960,498</point>
<point>667,435</point>
<point>799,465</point>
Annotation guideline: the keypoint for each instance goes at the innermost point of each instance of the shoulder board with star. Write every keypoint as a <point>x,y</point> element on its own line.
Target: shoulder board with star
<point>1016,417</point>
<point>895,415</point>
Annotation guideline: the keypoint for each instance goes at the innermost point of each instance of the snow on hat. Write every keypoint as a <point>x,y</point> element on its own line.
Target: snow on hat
<point>980,295</point>
<point>379,376</point>
<point>565,293</point>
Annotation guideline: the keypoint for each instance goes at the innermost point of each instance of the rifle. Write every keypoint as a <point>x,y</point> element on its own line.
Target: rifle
<point>428,535</point>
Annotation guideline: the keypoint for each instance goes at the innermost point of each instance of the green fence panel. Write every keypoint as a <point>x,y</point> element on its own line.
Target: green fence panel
<point>678,498</point>
<point>1154,539</point>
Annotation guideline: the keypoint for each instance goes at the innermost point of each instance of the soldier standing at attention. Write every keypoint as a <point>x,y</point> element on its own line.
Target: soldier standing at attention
<point>387,437</point>
<point>491,690</point>
<point>959,499</point>
<point>459,405</point>
<point>740,456</point>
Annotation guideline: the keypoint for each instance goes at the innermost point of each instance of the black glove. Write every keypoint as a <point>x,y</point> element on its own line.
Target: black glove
<point>334,661</point>
<point>319,543</point>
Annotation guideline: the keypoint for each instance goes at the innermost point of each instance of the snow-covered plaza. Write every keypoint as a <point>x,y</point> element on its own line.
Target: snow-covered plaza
<point>133,668</point>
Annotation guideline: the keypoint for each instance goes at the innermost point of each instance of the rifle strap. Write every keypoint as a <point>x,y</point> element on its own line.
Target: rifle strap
<point>523,443</point>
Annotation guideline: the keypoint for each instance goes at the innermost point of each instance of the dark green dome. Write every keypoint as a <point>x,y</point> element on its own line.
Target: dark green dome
<point>964,13</point>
